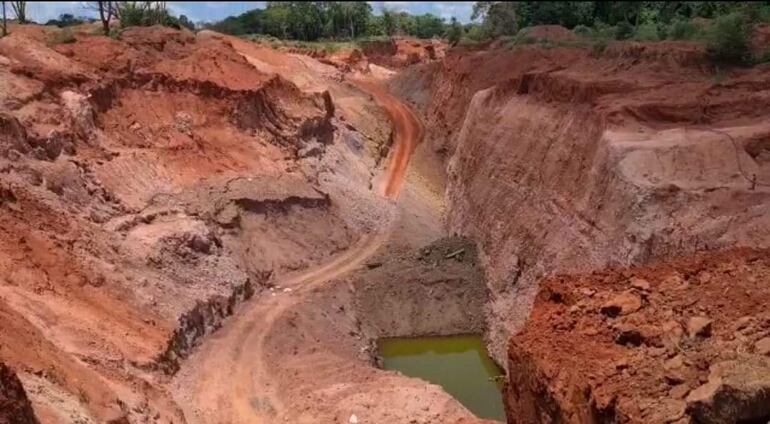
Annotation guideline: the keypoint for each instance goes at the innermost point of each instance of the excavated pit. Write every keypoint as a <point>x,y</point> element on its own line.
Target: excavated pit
<point>327,343</point>
<point>153,184</point>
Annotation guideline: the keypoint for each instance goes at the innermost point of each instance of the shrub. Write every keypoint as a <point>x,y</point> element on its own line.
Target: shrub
<point>683,30</point>
<point>646,32</point>
<point>65,36</point>
<point>475,33</point>
<point>624,31</point>
<point>728,40</point>
<point>602,30</point>
<point>582,31</point>
<point>599,46</point>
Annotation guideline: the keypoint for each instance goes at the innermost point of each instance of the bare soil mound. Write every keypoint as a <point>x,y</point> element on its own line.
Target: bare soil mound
<point>402,52</point>
<point>682,341</point>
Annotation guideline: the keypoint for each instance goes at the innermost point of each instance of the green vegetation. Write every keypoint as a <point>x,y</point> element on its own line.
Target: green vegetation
<point>724,27</point>
<point>67,20</point>
<point>728,39</point>
<point>455,32</point>
<point>312,21</point>
<point>135,13</point>
<point>326,46</point>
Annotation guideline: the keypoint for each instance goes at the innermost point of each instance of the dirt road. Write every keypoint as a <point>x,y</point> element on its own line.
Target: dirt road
<point>407,133</point>
<point>228,380</point>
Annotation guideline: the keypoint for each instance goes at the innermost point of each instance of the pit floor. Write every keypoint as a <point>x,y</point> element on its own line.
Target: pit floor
<point>460,364</point>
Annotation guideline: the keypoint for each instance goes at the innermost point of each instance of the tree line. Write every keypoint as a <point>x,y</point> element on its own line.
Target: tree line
<point>507,18</point>
<point>311,21</point>
<point>724,27</point>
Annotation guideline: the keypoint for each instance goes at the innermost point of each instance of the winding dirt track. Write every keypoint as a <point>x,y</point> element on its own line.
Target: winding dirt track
<point>228,380</point>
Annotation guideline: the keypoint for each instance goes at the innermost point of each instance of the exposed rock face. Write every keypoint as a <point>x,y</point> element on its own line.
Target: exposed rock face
<point>573,363</point>
<point>15,408</point>
<point>737,391</point>
<point>554,167</point>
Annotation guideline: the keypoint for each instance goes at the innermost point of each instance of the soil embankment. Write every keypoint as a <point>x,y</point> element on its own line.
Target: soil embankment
<point>567,160</point>
<point>570,160</point>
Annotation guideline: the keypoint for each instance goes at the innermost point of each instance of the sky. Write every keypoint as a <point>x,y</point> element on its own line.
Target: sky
<point>41,11</point>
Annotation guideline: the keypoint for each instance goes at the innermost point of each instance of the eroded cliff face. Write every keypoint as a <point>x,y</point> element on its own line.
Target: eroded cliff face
<point>567,161</point>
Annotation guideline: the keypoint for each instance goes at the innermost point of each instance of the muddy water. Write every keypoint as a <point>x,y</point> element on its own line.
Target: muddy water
<point>459,364</point>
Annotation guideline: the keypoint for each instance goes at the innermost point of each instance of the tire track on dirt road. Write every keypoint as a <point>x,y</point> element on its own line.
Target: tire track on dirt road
<point>228,379</point>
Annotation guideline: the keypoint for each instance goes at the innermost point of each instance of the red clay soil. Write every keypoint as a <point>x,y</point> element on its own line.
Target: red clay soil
<point>306,363</point>
<point>682,341</point>
<point>400,52</point>
<point>126,234</point>
<point>567,160</point>
<point>407,133</point>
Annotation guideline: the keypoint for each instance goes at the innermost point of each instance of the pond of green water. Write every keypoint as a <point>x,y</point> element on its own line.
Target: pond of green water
<point>459,364</point>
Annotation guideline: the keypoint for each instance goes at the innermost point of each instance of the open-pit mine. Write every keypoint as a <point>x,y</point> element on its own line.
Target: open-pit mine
<point>199,228</point>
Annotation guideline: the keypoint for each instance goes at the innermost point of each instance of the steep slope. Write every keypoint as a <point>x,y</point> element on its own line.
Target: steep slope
<point>149,184</point>
<point>565,160</point>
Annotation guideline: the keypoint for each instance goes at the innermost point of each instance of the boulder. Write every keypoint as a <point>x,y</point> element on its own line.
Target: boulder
<point>640,284</point>
<point>699,327</point>
<point>622,304</point>
<point>737,391</point>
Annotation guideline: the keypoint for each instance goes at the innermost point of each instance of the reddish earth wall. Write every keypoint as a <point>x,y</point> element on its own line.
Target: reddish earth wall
<point>562,160</point>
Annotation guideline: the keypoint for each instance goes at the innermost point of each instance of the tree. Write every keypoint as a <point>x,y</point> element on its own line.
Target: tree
<point>277,19</point>
<point>20,10</point>
<point>499,18</point>
<point>66,19</point>
<point>428,26</point>
<point>389,22</point>
<point>728,39</point>
<point>5,22</point>
<point>455,32</point>
<point>356,15</point>
<point>106,11</point>
<point>186,22</point>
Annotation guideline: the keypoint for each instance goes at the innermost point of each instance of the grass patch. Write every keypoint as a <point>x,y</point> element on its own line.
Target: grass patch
<point>326,46</point>
<point>65,36</point>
